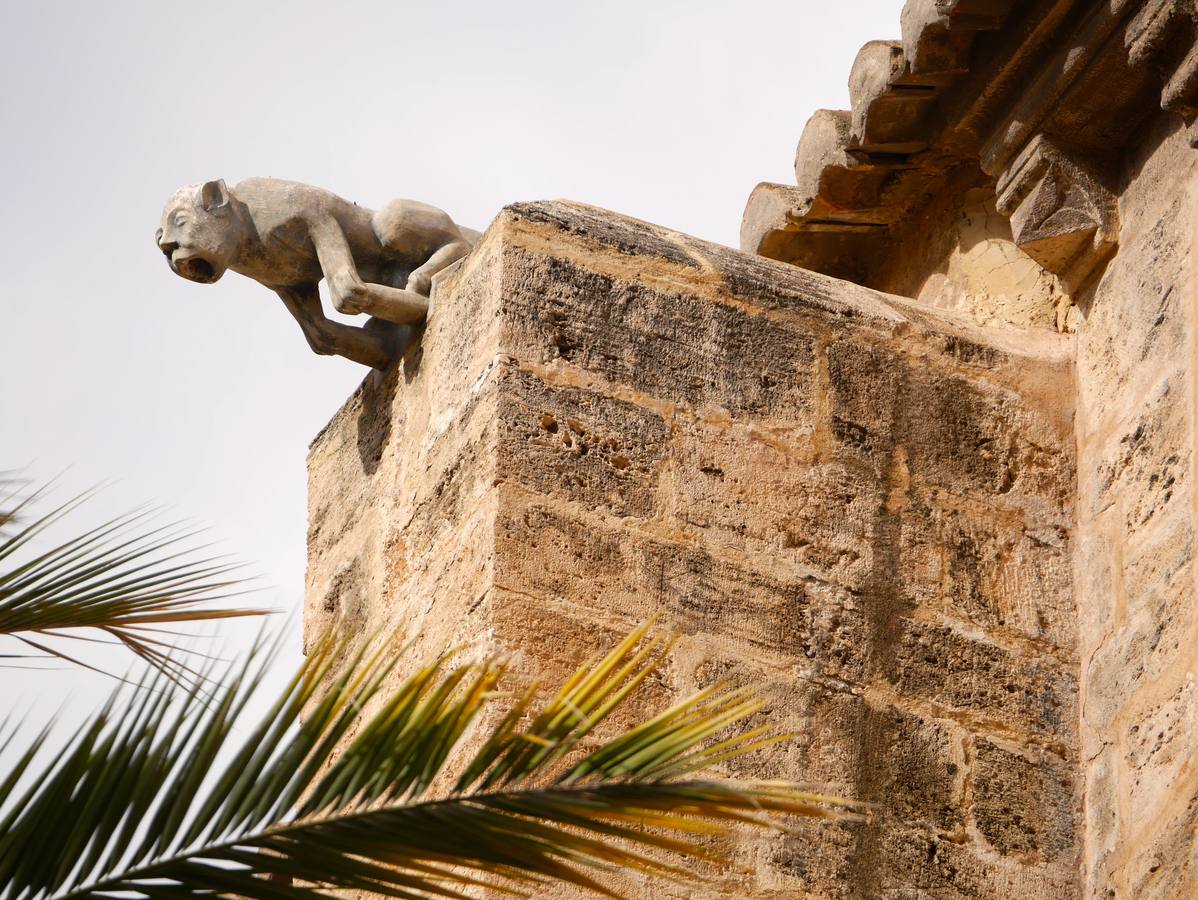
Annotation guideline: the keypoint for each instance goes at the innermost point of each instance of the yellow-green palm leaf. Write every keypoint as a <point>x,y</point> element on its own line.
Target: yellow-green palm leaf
<point>155,798</point>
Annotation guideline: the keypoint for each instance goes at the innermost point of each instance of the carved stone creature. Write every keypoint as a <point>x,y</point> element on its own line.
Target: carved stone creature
<point>287,236</point>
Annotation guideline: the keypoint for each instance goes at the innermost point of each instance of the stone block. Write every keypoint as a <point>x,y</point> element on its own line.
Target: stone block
<point>1158,622</point>
<point>1162,863</point>
<point>668,344</point>
<point>965,435</point>
<point>1063,212</point>
<point>755,492</point>
<point>982,564</point>
<point>1101,824</point>
<point>817,859</point>
<point>1097,573</point>
<point>865,387</point>
<point>1033,693</point>
<point>547,641</point>
<point>1137,327</point>
<point>913,864</point>
<point>776,224</point>
<point>1024,805</point>
<point>931,45</point>
<point>546,553</point>
<point>822,149</point>
<point>830,732</point>
<point>962,435</point>
<point>887,116</point>
<point>1161,743</point>
<point>919,768</point>
<point>1146,466</point>
<point>579,445</point>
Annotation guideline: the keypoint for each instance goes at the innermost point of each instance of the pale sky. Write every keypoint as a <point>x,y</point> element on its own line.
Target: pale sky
<point>204,398</point>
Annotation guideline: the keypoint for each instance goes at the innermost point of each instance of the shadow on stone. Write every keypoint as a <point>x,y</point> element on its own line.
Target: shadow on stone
<point>374,419</point>
<point>379,388</point>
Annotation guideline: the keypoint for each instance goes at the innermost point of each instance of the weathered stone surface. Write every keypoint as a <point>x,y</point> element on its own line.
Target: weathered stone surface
<point>580,445</point>
<point>960,254</point>
<point>982,565</point>
<point>657,340</point>
<point>1135,550</point>
<point>823,151</point>
<point>938,34</point>
<point>606,421</point>
<point>1024,807</point>
<point>888,115</point>
<point>922,769</point>
<point>1034,695</point>
<point>925,865</point>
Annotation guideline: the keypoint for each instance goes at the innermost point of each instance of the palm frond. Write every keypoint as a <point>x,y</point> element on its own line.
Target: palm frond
<point>154,798</point>
<point>126,580</point>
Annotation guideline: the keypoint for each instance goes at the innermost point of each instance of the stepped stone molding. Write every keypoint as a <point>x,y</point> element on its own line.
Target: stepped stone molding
<point>1035,97</point>
<point>1165,34</point>
<point>937,34</point>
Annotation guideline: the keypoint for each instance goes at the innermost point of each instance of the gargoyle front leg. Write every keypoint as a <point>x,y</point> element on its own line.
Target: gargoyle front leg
<point>350,294</point>
<point>328,338</point>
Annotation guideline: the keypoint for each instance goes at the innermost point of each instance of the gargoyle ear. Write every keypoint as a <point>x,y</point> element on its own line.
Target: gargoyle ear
<point>214,195</point>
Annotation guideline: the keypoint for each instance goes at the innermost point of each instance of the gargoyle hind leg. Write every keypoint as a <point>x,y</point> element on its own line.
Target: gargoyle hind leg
<point>374,348</point>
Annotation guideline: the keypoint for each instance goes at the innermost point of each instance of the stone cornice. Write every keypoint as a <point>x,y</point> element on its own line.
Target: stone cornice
<point>1036,97</point>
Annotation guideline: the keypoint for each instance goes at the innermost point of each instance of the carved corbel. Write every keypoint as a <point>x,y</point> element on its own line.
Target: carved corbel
<point>1062,214</point>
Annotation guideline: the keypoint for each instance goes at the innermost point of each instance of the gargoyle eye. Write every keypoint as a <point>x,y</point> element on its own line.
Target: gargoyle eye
<point>180,221</point>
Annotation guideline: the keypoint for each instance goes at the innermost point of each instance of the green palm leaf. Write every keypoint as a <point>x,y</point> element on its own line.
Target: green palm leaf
<point>155,798</point>
<point>125,580</point>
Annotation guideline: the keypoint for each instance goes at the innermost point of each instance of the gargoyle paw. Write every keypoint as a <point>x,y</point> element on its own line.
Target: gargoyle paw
<point>348,292</point>
<point>420,283</point>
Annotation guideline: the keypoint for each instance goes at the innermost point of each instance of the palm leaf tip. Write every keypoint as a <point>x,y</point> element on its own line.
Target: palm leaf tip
<point>14,497</point>
<point>182,800</point>
<point>125,578</point>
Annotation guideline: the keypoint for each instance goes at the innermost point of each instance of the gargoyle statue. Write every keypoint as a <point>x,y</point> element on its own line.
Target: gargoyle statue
<point>287,236</point>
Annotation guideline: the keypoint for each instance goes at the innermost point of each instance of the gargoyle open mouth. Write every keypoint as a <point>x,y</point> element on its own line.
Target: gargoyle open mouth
<point>195,268</point>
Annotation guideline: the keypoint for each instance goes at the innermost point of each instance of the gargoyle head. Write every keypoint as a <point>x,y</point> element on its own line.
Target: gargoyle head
<point>199,233</point>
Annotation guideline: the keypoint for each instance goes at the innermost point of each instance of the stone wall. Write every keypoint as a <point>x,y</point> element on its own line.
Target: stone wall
<point>862,507</point>
<point>976,610</point>
<point>1135,557</point>
<point>1077,122</point>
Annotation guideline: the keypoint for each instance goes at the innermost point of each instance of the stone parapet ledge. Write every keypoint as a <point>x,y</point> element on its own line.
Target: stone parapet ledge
<point>860,506</point>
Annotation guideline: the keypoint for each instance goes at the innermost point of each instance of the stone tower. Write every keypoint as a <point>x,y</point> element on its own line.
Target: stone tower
<point>917,461</point>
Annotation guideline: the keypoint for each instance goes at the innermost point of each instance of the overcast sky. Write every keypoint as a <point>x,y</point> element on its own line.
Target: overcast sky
<point>204,398</point>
